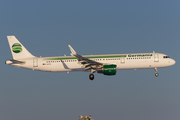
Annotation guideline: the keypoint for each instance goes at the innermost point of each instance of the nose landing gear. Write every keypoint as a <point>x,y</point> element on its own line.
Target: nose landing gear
<point>156,74</point>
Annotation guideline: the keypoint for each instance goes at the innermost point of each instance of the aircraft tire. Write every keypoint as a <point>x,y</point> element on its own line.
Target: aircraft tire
<point>91,77</point>
<point>156,74</point>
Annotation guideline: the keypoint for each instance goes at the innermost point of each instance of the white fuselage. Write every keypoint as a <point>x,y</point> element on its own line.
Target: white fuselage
<point>123,61</point>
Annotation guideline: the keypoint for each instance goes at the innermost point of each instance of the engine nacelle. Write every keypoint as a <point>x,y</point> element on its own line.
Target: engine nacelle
<point>108,70</point>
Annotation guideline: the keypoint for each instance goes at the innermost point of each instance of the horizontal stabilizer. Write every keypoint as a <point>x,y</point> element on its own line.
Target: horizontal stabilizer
<point>11,62</point>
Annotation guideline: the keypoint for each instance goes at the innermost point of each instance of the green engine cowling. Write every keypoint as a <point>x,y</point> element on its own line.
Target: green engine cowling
<point>108,70</point>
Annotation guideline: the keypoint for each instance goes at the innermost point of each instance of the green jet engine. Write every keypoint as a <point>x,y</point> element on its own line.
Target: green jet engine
<point>107,70</point>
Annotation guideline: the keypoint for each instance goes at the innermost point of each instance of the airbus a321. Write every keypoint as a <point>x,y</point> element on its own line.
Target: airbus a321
<point>106,64</point>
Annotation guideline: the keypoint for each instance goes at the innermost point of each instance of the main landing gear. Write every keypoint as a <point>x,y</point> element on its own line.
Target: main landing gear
<point>156,74</point>
<point>91,76</point>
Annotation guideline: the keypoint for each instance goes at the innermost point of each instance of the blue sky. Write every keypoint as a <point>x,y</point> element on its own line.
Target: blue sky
<point>46,28</point>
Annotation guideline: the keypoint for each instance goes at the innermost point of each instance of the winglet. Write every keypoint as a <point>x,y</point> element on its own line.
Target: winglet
<point>73,52</point>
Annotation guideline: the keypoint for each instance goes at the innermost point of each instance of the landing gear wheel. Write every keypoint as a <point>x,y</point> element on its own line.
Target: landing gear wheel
<point>91,77</point>
<point>156,74</point>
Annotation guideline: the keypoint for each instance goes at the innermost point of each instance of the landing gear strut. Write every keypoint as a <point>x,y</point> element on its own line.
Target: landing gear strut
<point>91,76</point>
<point>156,74</point>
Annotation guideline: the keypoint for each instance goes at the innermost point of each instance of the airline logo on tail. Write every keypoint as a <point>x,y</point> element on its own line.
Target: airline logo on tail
<point>16,48</point>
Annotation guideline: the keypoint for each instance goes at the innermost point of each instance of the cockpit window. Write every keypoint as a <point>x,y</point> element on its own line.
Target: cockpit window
<point>166,57</point>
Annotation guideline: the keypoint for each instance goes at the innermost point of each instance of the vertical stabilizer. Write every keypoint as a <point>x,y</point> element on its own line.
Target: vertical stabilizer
<point>17,49</point>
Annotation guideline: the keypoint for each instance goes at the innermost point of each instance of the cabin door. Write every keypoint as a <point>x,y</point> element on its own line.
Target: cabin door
<point>122,60</point>
<point>156,57</point>
<point>35,62</point>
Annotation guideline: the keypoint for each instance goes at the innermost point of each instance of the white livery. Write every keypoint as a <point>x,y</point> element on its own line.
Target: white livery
<point>106,64</point>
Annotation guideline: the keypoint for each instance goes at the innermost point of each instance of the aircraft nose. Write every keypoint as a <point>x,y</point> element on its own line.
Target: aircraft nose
<point>173,62</point>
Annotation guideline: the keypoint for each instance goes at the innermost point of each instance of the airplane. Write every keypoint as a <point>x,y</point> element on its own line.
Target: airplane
<point>106,64</point>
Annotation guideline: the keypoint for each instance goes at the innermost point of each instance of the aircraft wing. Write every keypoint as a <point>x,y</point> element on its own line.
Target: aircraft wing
<point>87,63</point>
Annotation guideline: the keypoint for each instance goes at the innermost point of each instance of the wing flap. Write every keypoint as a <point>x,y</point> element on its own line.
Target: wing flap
<point>87,63</point>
